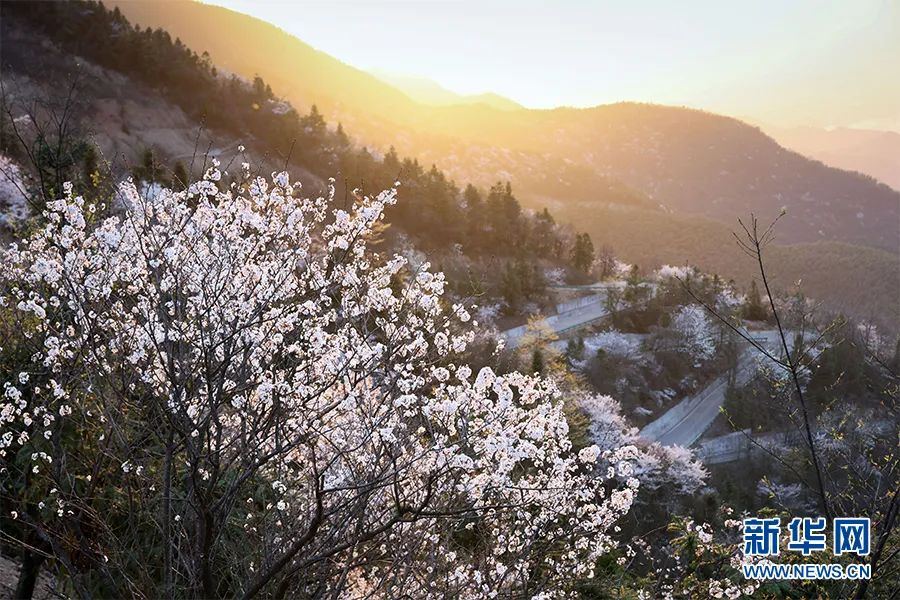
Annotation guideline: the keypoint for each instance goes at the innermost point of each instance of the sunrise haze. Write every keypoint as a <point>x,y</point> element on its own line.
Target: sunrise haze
<point>798,63</point>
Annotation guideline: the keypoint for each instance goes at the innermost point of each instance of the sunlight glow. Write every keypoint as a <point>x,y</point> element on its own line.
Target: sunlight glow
<point>802,62</point>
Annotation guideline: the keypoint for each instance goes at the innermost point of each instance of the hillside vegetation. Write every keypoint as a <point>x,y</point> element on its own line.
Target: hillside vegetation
<point>690,161</point>
<point>587,192</point>
<point>147,107</point>
<point>855,280</point>
<point>608,169</point>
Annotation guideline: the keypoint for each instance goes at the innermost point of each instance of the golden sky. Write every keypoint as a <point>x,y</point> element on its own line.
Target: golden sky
<point>779,62</point>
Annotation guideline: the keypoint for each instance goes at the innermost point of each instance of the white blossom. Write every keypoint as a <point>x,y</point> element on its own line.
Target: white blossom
<point>696,332</point>
<point>263,328</point>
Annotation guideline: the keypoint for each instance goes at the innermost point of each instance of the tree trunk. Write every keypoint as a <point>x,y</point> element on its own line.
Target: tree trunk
<point>28,574</point>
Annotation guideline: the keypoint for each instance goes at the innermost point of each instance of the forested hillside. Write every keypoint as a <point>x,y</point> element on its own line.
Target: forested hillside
<point>608,169</point>
<point>613,213</point>
<point>690,161</point>
<point>174,111</point>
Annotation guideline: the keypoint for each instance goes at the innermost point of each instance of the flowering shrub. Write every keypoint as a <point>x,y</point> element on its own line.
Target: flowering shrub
<point>696,333</point>
<point>707,560</point>
<point>677,272</point>
<point>614,342</point>
<point>653,466</point>
<point>223,391</point>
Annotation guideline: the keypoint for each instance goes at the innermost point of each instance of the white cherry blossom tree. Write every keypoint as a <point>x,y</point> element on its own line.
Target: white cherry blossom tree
<point>224,392</point>
<point>696,334</point>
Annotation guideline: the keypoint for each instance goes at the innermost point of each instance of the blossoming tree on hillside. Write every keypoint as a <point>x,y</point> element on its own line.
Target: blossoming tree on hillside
<point>223,392</point>
<point>695,331</point>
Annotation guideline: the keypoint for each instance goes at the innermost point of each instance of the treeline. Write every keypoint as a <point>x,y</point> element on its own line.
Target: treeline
<point>432,209</point>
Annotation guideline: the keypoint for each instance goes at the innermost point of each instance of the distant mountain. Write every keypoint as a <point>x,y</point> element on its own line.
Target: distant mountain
<point>873,152</point>
<point>700,163</point>
<point>659,184</point>
<point>688,161</point>
<point>428,92</point>
<point>685,160</point>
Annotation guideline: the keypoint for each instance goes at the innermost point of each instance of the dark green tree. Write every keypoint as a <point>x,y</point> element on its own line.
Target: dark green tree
<point>753,306</point>
<point>314,123</point>
<point>583,253</point>
<point>543,233</point>
<point>149,170</point>
<point>504,216</point>
<point>635,291</point>
<point>537,361</point>
<point>90,170</point>
<point>342,140</point>
<point>511,287</point>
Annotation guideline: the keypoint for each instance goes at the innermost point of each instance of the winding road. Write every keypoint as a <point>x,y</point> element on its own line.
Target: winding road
<point>575,314</point>
<point>684,423</point>
<point>687,421</point>
<point>562,322</point>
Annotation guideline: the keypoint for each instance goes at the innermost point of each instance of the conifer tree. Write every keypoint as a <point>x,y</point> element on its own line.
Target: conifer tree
<point>753,308</point>
<point>583,253</point>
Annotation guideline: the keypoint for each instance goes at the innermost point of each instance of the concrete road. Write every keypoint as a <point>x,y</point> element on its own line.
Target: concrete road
<point>684,423</point>
<point>560,323</point>
<point>584,310</point>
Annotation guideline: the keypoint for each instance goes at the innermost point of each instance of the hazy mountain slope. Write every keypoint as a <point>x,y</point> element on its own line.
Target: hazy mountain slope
<point>428,92</point>
<point>864,282</point>
<point>860,280</point>
<point>706,164</point>
<point>722,168</point>
<point>250,47</point>
<point>688,160</point>
<point>875,153</point>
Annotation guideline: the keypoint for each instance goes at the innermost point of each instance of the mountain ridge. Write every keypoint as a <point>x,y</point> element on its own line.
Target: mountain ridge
<point>689,161</point>
<point>640,232</point>
<point>429,92</point>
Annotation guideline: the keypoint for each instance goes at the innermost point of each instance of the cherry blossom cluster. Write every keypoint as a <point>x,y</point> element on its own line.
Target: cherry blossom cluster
<point>653,465</point>
<point>704,561</point>
<point>316,391</point>
<point>696,331</point>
